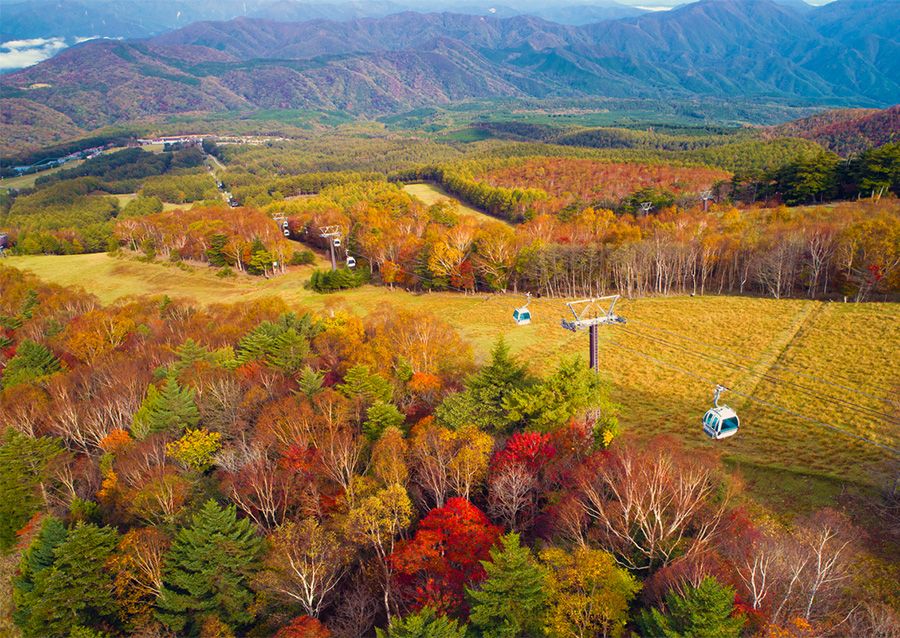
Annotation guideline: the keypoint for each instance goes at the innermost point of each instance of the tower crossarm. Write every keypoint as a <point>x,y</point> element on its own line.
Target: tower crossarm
<point>592,312</point>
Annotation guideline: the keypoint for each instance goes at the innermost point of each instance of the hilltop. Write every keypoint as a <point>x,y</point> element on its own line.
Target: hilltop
<point>846,131</point>
<point>736,49</point>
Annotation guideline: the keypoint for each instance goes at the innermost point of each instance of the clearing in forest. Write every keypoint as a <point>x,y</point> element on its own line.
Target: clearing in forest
<point>432,194</point>
<point>831,362</point>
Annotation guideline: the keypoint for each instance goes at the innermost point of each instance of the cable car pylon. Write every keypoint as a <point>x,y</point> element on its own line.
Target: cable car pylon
<point>590,314</point>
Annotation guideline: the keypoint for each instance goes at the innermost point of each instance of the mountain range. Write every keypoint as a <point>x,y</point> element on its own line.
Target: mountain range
<point>844,53</point>
<point>25,19</point>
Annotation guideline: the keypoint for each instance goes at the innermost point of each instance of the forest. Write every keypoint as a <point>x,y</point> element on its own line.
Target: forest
<point>255,470</point>
<point>360,450</point>
<point>849,249</point>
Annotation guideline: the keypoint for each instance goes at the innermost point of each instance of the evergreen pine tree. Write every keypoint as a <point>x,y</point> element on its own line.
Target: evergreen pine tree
<point>215,254</point>
<point>381,416</point>
<point>170,409</point>
<point>189,353</point>
<point>424,623</point>
<point>511,600</point>
<point>706,611</point>
<point>365,384</point>
<point>310,381</point>
<point>32,361</point>
<point>23,467</point>
<point>553,401</point>
<point>289,351</point>
<point>484,401</point>
<point>35,559</point>
<point>208,571</point>
<point>77,589</point>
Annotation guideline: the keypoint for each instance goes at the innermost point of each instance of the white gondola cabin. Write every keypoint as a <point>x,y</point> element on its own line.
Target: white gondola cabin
<point>522,316</point>
<point>720,422</point>
<point>336,242</point>
<point>351,262</point>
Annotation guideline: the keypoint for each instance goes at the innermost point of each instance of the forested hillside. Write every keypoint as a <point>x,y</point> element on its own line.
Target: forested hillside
<point>847,131</point>
<point>382,65</point>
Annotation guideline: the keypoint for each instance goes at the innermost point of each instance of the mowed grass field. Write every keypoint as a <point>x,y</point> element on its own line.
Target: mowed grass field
<point>821,361</point>
<point>432,194</point>
<point>125,198</point>
<point>27,181</point>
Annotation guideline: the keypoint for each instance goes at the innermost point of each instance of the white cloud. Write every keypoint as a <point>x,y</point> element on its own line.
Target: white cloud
<point>18,54</point>
<point>15,54</point>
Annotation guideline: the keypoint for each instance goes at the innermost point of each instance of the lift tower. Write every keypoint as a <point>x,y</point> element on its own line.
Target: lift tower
<point>590,314</point>
<point>333,235</point>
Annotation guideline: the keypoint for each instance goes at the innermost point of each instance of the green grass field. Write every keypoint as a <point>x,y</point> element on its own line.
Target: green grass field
<point>124,198</point>
<point>27,181</point>
<point>432,194</point>
<point>734,341</point>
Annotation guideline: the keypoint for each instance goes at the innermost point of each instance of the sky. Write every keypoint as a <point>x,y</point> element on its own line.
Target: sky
<point>662,4</point>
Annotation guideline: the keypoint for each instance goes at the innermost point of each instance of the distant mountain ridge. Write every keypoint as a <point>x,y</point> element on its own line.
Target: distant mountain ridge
<point>719,48</point>
<point>847,131</point>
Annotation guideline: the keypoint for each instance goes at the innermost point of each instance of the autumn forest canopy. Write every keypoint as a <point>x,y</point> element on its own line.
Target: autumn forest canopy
<point>281,350</point>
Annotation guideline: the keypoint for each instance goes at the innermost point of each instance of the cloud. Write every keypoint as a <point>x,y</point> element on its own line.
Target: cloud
<point>18,54</point>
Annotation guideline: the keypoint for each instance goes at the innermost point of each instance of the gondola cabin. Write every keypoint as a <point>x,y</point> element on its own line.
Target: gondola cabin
<point>522,316</point>
<point>351,262</point>
<point>720,423</point>
<point>336,242</point>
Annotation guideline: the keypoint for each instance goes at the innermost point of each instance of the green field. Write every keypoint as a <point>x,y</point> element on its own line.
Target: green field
<point>853,345</point>
<point>432,194</point>
<point>27,181</point>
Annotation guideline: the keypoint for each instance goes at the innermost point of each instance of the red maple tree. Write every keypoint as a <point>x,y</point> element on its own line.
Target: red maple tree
<point>435,566</point>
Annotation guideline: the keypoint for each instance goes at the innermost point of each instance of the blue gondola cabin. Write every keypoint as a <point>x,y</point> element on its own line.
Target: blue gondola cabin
<point>720,423</point>
<point>522,316</point>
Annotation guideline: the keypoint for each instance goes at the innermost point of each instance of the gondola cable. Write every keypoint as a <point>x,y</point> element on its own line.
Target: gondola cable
<point>769,377</point>
<point>777,366</point>
<point>825,424</point>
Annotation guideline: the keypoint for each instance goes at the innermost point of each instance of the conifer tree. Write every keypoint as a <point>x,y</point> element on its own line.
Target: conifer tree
<point>170,409</point>
<point>484,401</point>
<point>289,351</point>
<point>32,361</point>
<point>381,416</point>
<point>76,590</point>
<point>424,623</point>
<point>510,601</point>
<point>208,571</point>
<point>189,353</point>
<point>23,469</point>
<point>310,381</point>
<point>706,611</point>
<point>35,559</point>
<point>365,384</point>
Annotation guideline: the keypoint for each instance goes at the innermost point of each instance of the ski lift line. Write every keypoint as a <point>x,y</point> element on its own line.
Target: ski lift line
<point>770,377</point>
<point>825,424</point>
<point>776,380</point>
<point>765,375</point>
<point>778,366</point>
